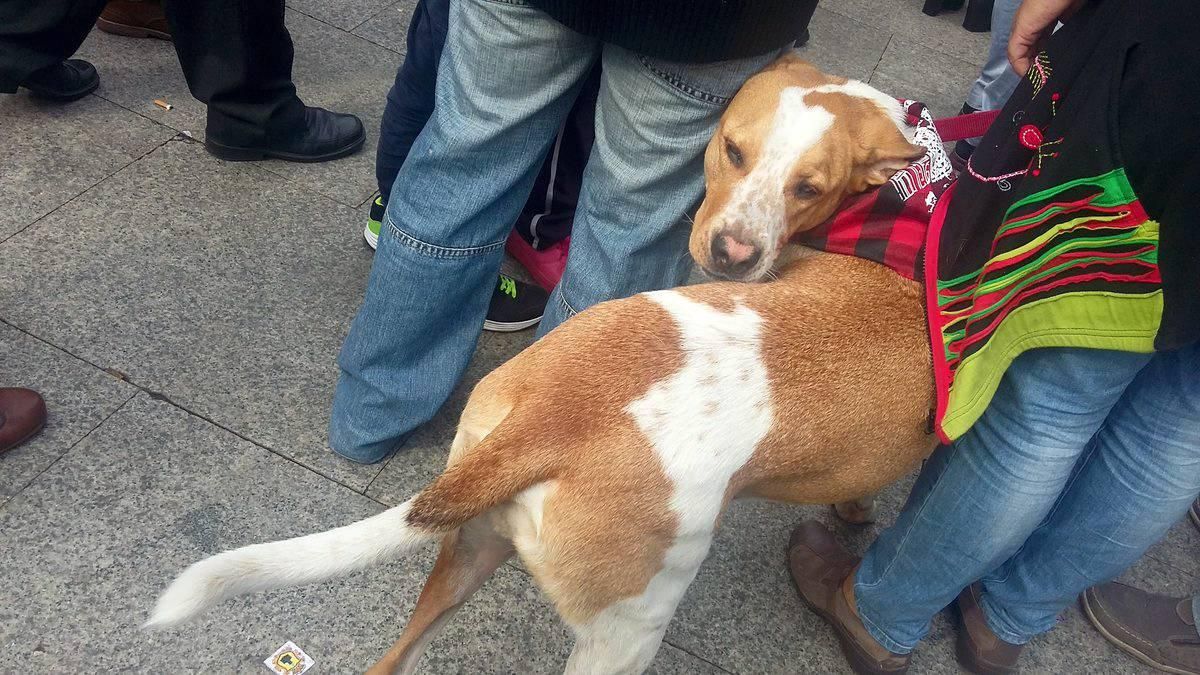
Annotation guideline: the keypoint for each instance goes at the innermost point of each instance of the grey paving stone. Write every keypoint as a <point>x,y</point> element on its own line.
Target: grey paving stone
<point>85,551</point>
<point>912,71</point>
<point>343,14</point>
<point>78,397</point>
<point>332,69</point>
<point>389,27</point>
<point>903,18</point>
<point>842,46</point>
<point>1180,549</point>
<point>341,72</point>
<point>219,285</point>
<point>53,152</point>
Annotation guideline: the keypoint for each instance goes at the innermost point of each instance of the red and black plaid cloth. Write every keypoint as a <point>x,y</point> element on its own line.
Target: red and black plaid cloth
<point>888,224</point>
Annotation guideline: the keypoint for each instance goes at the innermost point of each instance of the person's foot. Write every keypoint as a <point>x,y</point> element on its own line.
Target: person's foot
<point>374,222</point>
<point>546,266</point>
<point>1194,513</point>
<point>326,135</point>
<point>823,571</point>
<point>67,81</point>
<point>962,149</point>
<point>135,18</point>
<point>515,305</point>
<point>979,649</point>
<point>1157,630</point>
<point>22,416</point>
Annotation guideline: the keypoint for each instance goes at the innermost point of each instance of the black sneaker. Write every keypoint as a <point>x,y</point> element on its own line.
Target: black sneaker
<point>67,81</point>
<point>515,306</point>
<point>962,149</point>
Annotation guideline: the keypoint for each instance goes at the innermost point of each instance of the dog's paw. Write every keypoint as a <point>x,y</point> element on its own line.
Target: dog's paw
<point>858,512</point>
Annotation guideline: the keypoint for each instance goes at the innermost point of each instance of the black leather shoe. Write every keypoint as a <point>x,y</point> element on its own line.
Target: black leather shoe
<point>326,135</point>
<point>67,81</point>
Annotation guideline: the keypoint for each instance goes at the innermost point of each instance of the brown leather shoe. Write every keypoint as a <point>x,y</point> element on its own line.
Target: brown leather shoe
<point>135,18</point>
<point>1194,512</point>
<point>22,416</point>
<point>979,649</point>
<point>1155,629</point>
<point>823,572</point>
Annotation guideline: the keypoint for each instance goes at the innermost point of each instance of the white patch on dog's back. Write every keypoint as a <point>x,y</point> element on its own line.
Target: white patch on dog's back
<point>704,422</point>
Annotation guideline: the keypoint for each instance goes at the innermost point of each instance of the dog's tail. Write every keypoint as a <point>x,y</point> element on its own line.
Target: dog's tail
<point>489,474</point>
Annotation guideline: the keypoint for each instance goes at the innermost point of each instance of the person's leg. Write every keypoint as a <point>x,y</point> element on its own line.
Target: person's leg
<point>237,58</point>
<point>38,35</point>
<point>630,233</point>
<point>410,100</point>
<point>507,78</point>
<point>1140,475</point>
<point>976,501</point>
<point>997,80</point>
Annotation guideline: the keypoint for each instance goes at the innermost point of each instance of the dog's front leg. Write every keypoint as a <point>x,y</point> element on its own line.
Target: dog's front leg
<point>857,511</point>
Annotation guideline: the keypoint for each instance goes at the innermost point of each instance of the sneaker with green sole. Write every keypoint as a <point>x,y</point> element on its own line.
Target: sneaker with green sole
<point>515,305</point>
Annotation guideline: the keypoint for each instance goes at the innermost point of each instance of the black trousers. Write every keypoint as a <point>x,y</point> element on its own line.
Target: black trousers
<point>235,54</point>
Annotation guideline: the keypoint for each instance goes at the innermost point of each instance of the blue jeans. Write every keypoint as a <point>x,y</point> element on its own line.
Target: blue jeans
<point>1082,461</point>
<point>997,80</point>
<point>508,77</point>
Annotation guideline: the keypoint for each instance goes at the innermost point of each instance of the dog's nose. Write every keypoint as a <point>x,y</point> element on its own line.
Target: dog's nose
<point>732,255</point>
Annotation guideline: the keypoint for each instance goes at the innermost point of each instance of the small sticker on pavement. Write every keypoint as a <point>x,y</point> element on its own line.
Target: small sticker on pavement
<point>289,660</point>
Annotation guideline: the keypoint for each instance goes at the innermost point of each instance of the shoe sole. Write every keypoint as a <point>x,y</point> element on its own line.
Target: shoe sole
<point>25,438</point>
<point>131,31</point>
<point>371,237</point>
<point>968,658</point>
<point>230,153</point>
<point>509,326</point>
<point>848,643</point>
<point>68,97</point>
<point>1125,646</point>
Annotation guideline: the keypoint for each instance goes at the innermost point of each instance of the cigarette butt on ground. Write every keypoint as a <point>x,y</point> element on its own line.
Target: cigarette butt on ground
<point>163,104</point>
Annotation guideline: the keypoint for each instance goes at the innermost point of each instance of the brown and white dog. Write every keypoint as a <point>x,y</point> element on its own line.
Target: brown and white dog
<point>605,453</point>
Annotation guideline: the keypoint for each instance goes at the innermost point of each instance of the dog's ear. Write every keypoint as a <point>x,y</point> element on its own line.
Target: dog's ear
<point>884,152</point>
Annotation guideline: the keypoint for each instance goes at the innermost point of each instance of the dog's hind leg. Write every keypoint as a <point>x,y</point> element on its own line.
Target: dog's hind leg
<point>623,638</point>
<point>469,556</point>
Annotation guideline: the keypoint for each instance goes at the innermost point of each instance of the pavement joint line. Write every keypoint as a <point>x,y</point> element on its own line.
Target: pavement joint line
<point>891,33</point>
<point>878,63</point>
<point>86,190</point>
<point>1169,564</point>
<point>66,452</point>
<point>380,11</point>
<point>159,396</point>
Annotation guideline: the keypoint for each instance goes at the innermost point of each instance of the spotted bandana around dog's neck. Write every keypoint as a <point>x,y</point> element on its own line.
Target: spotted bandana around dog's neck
<point>888,224</point>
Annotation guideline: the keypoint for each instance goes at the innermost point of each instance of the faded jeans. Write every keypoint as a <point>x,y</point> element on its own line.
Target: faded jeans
<point>508,77</point>
<point>1082,461</point>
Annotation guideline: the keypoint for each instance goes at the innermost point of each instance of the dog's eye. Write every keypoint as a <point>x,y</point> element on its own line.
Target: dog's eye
<point>805,190</point>
<point>733,153</point>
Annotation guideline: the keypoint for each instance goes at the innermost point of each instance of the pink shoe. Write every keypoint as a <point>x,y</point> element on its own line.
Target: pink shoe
<point>546,267</point>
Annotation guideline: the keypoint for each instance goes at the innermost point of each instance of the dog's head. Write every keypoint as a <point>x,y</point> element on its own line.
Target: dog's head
<point>793,144</point>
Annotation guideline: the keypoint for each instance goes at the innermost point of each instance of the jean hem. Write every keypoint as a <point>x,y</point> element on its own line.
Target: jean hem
<point>995,622</point>
<point>369,456</point>
<point>436,251</point>
<point>876,632</point>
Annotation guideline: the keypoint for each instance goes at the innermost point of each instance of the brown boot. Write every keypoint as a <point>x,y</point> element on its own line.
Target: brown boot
<point>1155,629</point>
<point>980,650</point>
<point>22,416</point>
<point>135,18</point>
<point>823,572</point>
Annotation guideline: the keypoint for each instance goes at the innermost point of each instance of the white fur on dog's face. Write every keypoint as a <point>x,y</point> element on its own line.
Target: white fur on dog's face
<point>759,203</point>
<point>793,144</point>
